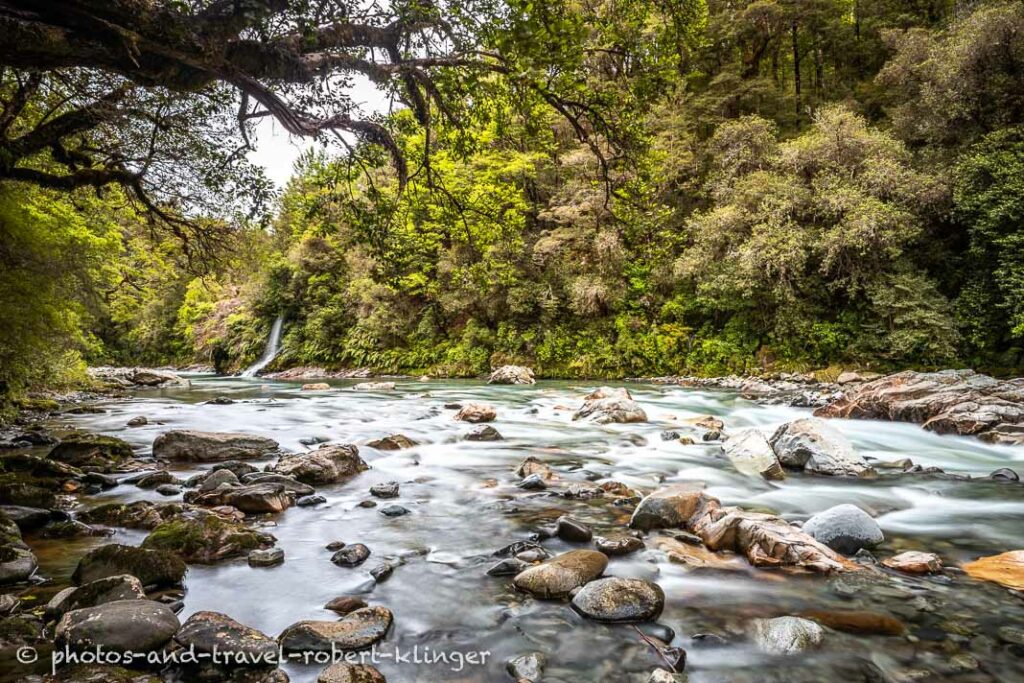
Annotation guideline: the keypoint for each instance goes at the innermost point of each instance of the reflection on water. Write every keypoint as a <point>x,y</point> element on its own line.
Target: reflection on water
<point>442,598</point>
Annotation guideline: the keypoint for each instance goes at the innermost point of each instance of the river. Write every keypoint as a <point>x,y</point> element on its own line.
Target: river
<point>442,598</point>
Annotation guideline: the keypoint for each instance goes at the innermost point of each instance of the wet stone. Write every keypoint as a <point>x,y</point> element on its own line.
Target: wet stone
<point>620,600</point>
<point>343,672</point>
<point>508,567</point>
<point>615,547</point>
<point>527,667</point>
<point>1004,474</point>
<point>559,576</point>
<point>388,489</point>
<point>573,531</point>
<point>351,555</point>
<point>310,501</point>
<point>271,557</point>
<point>394,511</point>
<point>786,635</point>
<point>345,604</point>
<point>534,482</point>
<point>484,433</point>
<point>355,631</point>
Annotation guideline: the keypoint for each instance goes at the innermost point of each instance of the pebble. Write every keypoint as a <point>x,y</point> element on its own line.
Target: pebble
<point>335,545</point>
<point>1004,474</point>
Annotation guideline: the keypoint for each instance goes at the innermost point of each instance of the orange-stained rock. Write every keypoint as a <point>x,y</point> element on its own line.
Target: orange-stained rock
<point>1006,569</point>
<point>858,621</point>
<point>914,562</point>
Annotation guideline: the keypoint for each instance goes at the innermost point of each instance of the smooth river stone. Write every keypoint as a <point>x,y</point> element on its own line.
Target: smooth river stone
<point>1006,569</point>
<point>786,635</point>
<point>667,508</point>
<point>620,600</point>
<point>752,455</point>
<point>357,630</point>
<point>196,446</point>
<point>914,562</point>
<point>844,528</point>
<point>560,575</point>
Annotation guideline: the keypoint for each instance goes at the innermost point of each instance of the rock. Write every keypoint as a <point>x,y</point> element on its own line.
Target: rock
<point>329,464</point>
<point>861,622</point>
<point>25,517</point>
<point>122,626</point>
<point>527,667</point>
<point>664,676</point>
<point>607,405</point>
<point>476,412</point>
<point>484,433</point>
<point>345,604</point>
<point>24,494</point>
<point>573,531</point>
<point>149,377</point>
<point>309,501</point>
<point>534,482</point>
<point>251,499</point>
<point>531,466</point>
<point>392,443</point>
<point>236,467</point>
<point>169,489</point>
<point>17,562</point>
<point>219,401</point>
<point>99,592</point>
<point>151,567</point>
<point>207,632</point>
<point>667,508</point>
<point>394,511</point>
<point>557,577</point>
<point>142,514</point>
<point>350,673</point>
<point>620,600</point>
<point>289,484</point>
<point>814,446</point>
<point>386,490</point>
<point>271,557</point>
<point>844,528</point>
<point>93,452</point>
<point>196,446</point>
<point>849,378</point>
<point>351,555</point>
<point>914,562</point>
<point>316,386</point>
<point>786,635</point>
<point>618,546</point>
<point>153,479</point>
<point>751,454</point>
<point>508,567</point>
<point>512,374</point>
<point>218,478</point>
<point>383,572</point>
<point>708,422</point>
<point>355,631</point>
<point>1004,474</point>
<point>1006,569</point>
<point>947,402</point>
<point>374,386</point>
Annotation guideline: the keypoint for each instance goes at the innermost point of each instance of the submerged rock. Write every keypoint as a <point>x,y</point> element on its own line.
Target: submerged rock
<point>137,626</point>
<point>559,576</point>
<point>814,446</point>
<point>786,635</point>
<point>606,405</point>
<point>355,631</point>
<point>329,464</point>
<point>620,600</point>
<point>196,446</point>
<point>512,374</point>
<point>527,667</point>
<point>751,454</point>
<point>844,528</point>
<point>151,567</point>
<point>914,562</point>
<point>476,412</point>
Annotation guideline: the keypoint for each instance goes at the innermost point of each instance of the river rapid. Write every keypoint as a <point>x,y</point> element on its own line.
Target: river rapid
<point>464,505</point>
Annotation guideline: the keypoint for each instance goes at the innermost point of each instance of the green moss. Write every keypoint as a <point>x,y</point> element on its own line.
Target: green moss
<point>204,539</point>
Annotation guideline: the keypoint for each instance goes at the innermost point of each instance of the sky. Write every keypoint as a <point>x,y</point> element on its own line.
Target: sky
<point>277,151</point>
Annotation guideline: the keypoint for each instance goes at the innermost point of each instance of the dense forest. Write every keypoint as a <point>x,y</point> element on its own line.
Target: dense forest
<point>641,187</point>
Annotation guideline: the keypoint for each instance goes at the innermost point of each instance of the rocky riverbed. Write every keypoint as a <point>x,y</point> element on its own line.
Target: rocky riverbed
<point>649,532</point>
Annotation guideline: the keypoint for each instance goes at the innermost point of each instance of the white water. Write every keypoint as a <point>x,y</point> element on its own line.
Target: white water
<point>270,353</point>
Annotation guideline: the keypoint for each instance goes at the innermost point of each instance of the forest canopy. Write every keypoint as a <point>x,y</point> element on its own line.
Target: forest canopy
<point>599,188</point>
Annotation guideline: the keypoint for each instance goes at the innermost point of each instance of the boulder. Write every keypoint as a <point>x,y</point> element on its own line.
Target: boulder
<point>142,514</point>
<point>667,508</point>
<point>374,386</point>
<point>316,386</point>
<point>559,576</point>
<point>218,478</point>
<point>1006,569</point>
<point>814,446</point>
<point>572,530</point>
<point>786,635</point>
<point>205,538</point>
<point>947,402</point>
<point>350,673</point>
<point>355,631</point>
<point>212,631</point>
<point>533,466</point>
<point>512,374</point>
<point>92,452</point>
<point>620,600</point>
<point>751,454</point>
<point>17,563</point>
<point>484,433</point>
<point>138,377</point>
<point>122,626</point>
<point>25,517</point>
<point>251,498</point>
<point>99,592</point>
<point>914,562</point>
<point>151,567</point>
<point>476,412</point>
<point>392,443</point>
<point>607,405</point>
<point>844,528</point>
<point>289,484</point>
<point>615,547</point>
<point>271,557</point>
<point>196,446</point>
<point>351,555</point>
<point>388,489</point>
<point>329,464</point>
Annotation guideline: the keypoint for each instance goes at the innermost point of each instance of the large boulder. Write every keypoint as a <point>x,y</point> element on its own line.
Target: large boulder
<point>208,632</point>
<point>289,484</point>
<point>136,626</point>
<point>91,452</point>
<point>205,538</point>
<point>844,528</point>
<point>99,592</point>
<point>512,374</point>
<point>751,454</point>
<point>669,507</point>
<point>196,446</point>
<point>329,464</point>
<point>948,402</point>
<point>357,630</point>
<point>814,446</point>
<point>138,377</point>
<point>151,567</point>
<point>252,499</point>
<point>17,563</point>
<point>607,405</point>
<point>141,514</point>
<point>562,574</point>
<point>620,600</point>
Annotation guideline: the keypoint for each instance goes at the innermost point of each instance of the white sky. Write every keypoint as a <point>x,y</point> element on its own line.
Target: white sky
<point>277,151</point>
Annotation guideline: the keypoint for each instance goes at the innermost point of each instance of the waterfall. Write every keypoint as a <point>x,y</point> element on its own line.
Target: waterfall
<point>270,353</point>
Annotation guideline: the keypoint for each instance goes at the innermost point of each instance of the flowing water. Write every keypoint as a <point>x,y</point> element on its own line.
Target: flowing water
<point>270,352</point>
<point>442,598</point>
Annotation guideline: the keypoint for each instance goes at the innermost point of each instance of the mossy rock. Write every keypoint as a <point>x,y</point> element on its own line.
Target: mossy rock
<point>39,405</point>
<point>151,567</point>
<point>205,539</point>
<point>142,514</point>
<point>91,452</point>
<point>39,468</point>
<point>27,493</point>
<point>95,673</point>
<point>20,629</point>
